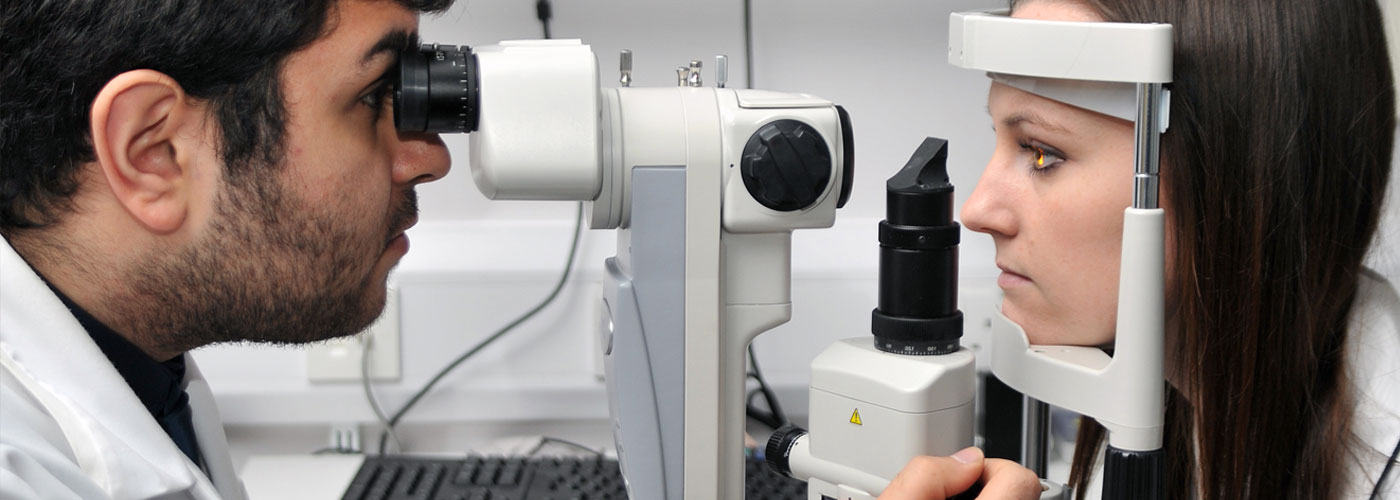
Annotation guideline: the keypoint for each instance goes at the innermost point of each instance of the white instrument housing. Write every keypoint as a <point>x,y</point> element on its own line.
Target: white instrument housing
<point>702,266</point>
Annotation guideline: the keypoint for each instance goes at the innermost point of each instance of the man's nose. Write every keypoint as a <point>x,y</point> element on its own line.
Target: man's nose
<point>420,157</point>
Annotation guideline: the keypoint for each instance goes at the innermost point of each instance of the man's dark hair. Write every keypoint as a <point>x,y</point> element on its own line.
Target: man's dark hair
<point>56,55</point>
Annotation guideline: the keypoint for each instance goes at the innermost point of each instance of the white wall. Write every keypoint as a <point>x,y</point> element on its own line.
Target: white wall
<point>476,264</point>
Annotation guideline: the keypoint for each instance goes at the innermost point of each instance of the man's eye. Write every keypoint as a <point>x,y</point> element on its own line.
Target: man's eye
<point>378,98</point>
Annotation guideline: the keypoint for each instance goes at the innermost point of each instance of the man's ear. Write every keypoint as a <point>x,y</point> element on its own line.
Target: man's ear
<point>145,131</point>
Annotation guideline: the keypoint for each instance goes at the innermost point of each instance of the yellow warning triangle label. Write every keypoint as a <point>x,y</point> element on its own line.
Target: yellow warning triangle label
<point>855,416</point>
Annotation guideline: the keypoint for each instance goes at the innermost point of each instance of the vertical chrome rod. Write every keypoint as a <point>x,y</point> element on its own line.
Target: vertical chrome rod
<point>1147,130</point>
<point>1035,435</point>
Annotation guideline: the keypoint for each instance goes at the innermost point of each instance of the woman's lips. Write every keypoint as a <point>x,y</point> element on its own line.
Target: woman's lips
<point>1009,279</point>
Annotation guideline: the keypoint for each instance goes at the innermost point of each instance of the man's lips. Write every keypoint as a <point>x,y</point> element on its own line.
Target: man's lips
<point>400,232</point>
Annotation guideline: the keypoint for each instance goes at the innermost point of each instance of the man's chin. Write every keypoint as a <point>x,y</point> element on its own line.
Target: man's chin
<point>371,311</point>
<point>351,320</point>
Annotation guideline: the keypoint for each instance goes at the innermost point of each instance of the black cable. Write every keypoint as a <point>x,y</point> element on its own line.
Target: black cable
<point>758,414</point>
<point>772,399</point>
<point>748,42</point>
<point>544,11</point>
<point>768,393</point>
<point>568,267</point>
<point>762,416</point>
<point>1390,464</point>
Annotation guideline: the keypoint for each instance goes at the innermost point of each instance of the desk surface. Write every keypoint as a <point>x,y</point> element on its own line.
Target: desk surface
<point>299,477</point>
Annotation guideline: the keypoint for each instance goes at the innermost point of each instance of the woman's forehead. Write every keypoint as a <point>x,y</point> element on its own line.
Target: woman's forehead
<point>1056,10</point>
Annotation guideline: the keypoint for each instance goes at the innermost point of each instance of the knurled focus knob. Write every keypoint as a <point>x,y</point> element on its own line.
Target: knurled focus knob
<point>786,165</point>
<point>780,447</point>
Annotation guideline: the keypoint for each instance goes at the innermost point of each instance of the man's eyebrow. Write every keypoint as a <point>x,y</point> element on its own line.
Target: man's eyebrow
<point>393,42</point>
<point>1032,118</point>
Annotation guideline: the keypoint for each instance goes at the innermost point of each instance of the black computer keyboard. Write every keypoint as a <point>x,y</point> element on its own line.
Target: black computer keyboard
<point>518,478</point>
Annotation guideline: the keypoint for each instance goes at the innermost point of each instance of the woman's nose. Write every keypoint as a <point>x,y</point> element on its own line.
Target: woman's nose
<point>990,208</point>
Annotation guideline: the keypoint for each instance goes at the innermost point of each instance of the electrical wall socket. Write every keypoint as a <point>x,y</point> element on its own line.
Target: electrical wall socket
<point>345,437</point>
<point>339,360</point>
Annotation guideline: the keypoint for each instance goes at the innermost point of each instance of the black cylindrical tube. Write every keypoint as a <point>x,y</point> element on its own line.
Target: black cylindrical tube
<point>925,202</point>
<point>909,279</point>
<point>918,305</point>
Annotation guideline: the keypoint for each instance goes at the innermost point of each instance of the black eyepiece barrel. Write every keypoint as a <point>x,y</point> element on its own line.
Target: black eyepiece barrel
<point>918,308</point>
<point>437,90</point>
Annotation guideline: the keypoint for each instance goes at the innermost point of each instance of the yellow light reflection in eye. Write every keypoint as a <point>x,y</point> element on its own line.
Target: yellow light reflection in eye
<point>1039,157</point>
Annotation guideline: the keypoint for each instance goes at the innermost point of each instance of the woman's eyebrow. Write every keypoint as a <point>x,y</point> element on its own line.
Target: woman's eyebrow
<point>1032,118</point>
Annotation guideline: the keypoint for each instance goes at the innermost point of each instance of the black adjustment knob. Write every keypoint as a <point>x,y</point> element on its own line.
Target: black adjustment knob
<point>780,447</point>
<point>786,165</point>
<point>1133,474</point>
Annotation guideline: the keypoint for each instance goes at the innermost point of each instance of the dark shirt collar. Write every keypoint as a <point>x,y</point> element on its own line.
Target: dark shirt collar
<point>158,385</point>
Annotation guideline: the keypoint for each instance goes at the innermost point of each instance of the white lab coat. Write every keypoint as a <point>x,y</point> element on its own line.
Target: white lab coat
<point>70,426</point>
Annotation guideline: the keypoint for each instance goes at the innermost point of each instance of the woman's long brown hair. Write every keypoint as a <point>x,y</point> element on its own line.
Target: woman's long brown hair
<point>1274,170</point>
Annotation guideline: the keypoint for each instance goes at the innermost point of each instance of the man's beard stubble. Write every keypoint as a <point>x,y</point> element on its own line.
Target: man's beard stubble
<point>272,271</point>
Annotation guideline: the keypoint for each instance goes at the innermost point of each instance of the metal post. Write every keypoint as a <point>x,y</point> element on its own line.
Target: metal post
<point>1035,435</point>
<point>1147,131</point>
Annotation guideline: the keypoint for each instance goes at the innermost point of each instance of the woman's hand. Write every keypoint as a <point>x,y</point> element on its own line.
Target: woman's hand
<point>938,478</point>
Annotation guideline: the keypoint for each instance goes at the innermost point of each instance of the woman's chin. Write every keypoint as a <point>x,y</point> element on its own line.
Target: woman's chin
<point>1042,329</point>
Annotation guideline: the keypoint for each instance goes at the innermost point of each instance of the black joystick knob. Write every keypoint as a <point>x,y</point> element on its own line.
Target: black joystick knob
<point>786,165</point>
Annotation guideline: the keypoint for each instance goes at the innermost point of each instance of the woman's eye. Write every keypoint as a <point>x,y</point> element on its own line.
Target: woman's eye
<point>1042,158</point>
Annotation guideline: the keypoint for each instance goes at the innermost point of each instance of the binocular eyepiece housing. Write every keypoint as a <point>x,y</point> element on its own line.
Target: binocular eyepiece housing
<point>438,90</point>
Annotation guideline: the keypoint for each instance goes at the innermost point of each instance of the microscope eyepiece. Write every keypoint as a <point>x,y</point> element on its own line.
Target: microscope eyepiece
<point>437,90</point>
<point>918,310</point>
